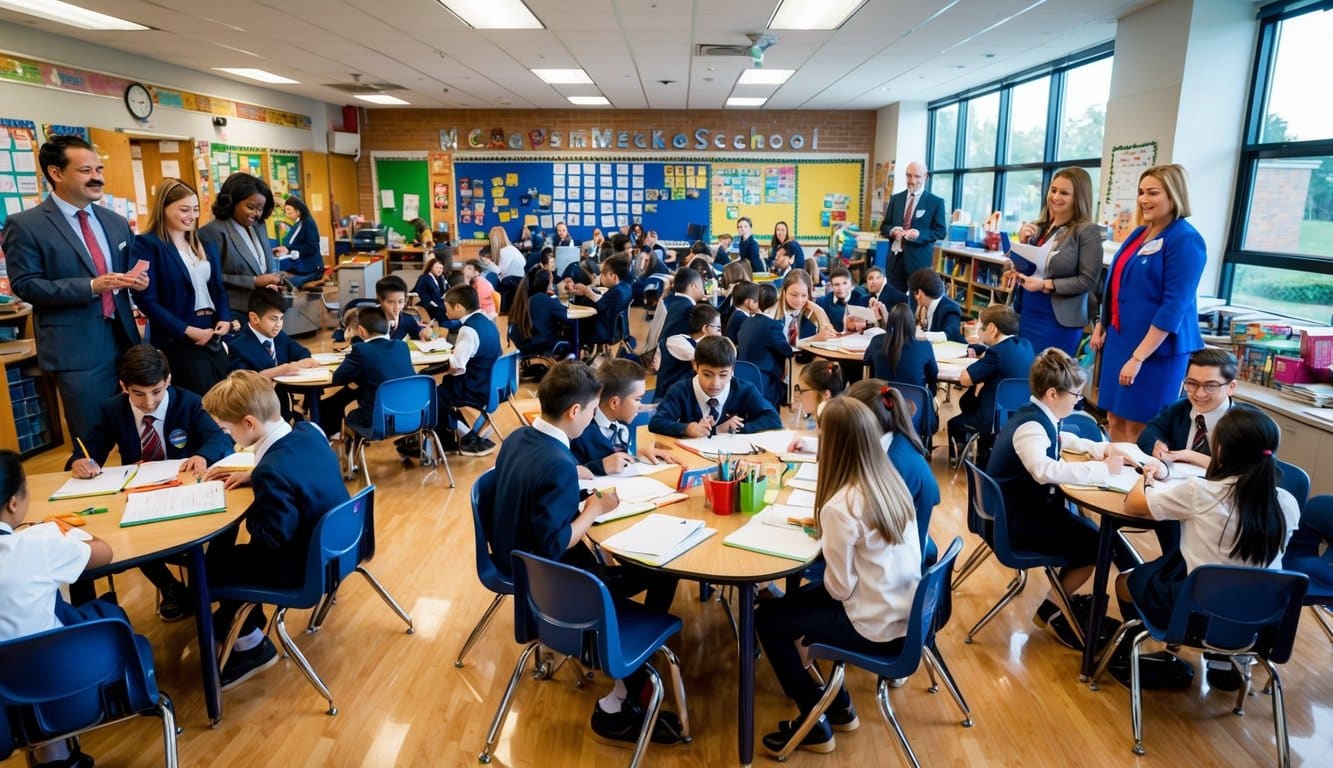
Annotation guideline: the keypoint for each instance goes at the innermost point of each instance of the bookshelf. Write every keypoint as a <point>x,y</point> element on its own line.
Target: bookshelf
<point>29,414</point>
<point>971,277</point>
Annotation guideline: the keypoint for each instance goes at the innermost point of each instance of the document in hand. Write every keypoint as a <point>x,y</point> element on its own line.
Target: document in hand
<point>1037,256</point>
<point>786,542</point>
<point>112,480</point>
<point>173,503</point>
<point>658,539</point>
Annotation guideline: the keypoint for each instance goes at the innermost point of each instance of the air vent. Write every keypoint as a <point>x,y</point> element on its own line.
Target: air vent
<point>713,49</point>
<point>364,87</point>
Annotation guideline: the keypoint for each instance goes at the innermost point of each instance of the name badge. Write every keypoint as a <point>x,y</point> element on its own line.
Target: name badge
<point>1152,246</point>
<point>178,438</point>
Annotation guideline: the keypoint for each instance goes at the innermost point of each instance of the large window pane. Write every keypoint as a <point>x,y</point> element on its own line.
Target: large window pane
<point>1023,197</point>
<point>946,138</point>
<point>942,184</point>
<point>1027,121</point>
<point>1304,295</point>
<point>1083,110</point>
<point>1291,207</point>
<point>1296,109</point>
<point>978,196</point>
<point>983,120</point>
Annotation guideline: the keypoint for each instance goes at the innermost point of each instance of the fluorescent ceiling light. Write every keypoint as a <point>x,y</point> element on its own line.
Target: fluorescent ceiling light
<point>765,76</point>
<point>380,98</point>
<point>255,74</point>
<point>71,15</point>
<point>563,76</point>
<point>493,14</point>
<point>746,101</point>
<point>813,14</point>
<point>589,101</point>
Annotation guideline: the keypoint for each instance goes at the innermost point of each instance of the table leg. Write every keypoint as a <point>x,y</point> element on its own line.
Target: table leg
<point>203,625</point>
<point>1101,575</point>
<point>745,696</point>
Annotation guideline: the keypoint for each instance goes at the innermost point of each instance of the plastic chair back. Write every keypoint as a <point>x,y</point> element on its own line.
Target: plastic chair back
<point>365,550</point>
<point>1010,395</point>
<point>334,552</point>
<point>1235,608</point>
<point>1295,481</point>
<point>403,407</point>
<point>747,371</point>
<point>985,498</point>
<point>920,400</point>
<point>1310,549</point>
<point>483,500</point>
<point>504,380</point>
<point>1082,424</point>
<point>570,610</point>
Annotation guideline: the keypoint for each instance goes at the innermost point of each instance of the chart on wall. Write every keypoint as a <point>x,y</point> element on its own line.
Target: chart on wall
<point>810,196</point>
<point>284,179</point>
<point>19,188</point>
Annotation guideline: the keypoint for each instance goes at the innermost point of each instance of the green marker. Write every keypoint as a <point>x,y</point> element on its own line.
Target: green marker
<point>93,511</point>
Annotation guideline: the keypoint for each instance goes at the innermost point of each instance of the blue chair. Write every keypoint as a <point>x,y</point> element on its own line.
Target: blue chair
<point>919,643</point>
<point>747,371</point>
<point>483,494</point>
<point>1010,395</point>
<point>334,552</point>
<point>1310,551</point>
<point>66,681</point>
<point>403,407</point>
<point>570,611</point>
<point>923,410</point>
<point>1084,425</point>
<point>985,500</point>
<point>504,385</point>
<point>1296,481</point>
<point>1229,610</point>
<point>641,419</point>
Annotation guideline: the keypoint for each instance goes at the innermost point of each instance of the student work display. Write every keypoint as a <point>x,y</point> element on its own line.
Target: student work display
<point>810,195</point>
<point>19,188</point>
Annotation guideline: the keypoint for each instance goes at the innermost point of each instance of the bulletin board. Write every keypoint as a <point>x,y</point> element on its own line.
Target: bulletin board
<point>18,167</point>
<point>284,179</point>
<point>402,193</point>
<point>828,191</point>
<point>810,195</point>
<point>224,160</point>
<point>584,192</point>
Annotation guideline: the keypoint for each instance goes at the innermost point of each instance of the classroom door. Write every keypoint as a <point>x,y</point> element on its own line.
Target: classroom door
<point>400,180</point>
<point>315,167</point>
<point>155,160</point>
<point>117,170</point>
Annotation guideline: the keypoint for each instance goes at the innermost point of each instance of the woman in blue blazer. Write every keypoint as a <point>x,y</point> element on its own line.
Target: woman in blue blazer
<point>299,253</point>
<point>185,302</point>
<point>535,325</point>
<point>1149,318</point>
<point>430,290</point>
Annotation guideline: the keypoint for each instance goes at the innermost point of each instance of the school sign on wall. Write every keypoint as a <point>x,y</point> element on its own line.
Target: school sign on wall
<point>612,139</point>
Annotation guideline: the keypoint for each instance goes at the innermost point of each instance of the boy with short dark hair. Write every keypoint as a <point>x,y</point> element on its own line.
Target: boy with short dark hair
<point>935,312</point>
<point>878,289</point>
<point>712,401</point>
<point>610,304</point>
<point>150,420</point>
<point>467,382</point>
<point>603,447</point>
<point>262,345</point>
<point>744,303</point>
<point>763,342</point>
<point>296,480</point>
<point>391,292</point>
<point>673,317</point>
<point>782,262</point>
<point>1006,357</point>
<point>375,360</point>
<point>678,350</point>
<point>835,300</point>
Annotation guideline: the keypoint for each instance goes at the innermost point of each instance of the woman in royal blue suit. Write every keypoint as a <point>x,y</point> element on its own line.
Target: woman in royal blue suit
<point>299,253</point>
<point>1149,324</point>
<point>185,302</point>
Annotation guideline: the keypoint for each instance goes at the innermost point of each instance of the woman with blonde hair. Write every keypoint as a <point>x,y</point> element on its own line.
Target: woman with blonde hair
<point>866,525</point>
<point>504,266</point>
<point>185,301</point>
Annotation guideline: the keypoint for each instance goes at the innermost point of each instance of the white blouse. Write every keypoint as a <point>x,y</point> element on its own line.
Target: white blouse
<point>200,271</point>
<point>875,580</point>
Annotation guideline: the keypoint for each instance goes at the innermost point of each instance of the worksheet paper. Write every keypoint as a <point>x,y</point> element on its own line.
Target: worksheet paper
<point>185,500</point>
<point>110,481</point>
<point>155,473</point>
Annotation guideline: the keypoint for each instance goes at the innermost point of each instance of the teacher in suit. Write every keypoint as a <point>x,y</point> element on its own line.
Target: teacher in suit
<point>67,258</point>
<point>914,220</point>
<point>1149,319</point>
<point>1053,308</point>
<point>299,252</point>
<point>237,233</point>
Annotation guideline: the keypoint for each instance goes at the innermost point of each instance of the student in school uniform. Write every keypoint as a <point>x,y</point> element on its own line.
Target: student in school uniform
<point>835,300</point>
<point>877,288</point>
<point>1180,431</point>
<point>899,356</point>
<point>713,401</point>
<point>611,304</point>
<point>538,509</point>
<point>34,563</point>
<point>296,480</point>
<point>935,312</point>
<point>603,447</point>
<point>473,275</point>
<point>781,263</point>
<point>722,256</point>
<point>264,347</point>
<point>820,382</point>
<point>150,420</point>
<point>430,289</point>
<point>673,316</point>
<point>537,319</point>
<point>744,300</point>
<point>872,555</point>
<point>649,273</point>
<point>468,379</point>
<point>1006,357</point>
<point>901,443</point>
<point>375,360</point>
<point>763,342</point>
<point>783,241</point>
<point>391,292</point>
<point>747,247</point>
<point>1235,515</point>
<point>677,360</point>
<point>1027,464</point>
<point>801,318</point>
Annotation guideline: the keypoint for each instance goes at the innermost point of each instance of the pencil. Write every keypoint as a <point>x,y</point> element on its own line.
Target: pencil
<point>83,448</point>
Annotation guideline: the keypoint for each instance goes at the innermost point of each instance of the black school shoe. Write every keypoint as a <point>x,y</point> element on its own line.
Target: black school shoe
<point>623,726</point>
<point>1161,671</point>
<point>242,665</point>
<point>473,444</point>
<point>841,720</point>
<point>174,603</point>
<point>819,739</point>
<point>1221,673</point>
<point>1050,618</point>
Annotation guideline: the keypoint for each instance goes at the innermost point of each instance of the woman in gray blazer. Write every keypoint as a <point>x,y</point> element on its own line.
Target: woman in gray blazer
<point>1053,307</point>
<point>237,231</point>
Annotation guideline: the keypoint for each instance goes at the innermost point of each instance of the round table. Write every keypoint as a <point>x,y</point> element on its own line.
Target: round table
<point>313,383</point>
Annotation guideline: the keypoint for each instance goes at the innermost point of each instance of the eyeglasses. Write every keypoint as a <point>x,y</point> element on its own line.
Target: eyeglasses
<point>1209,387</point>
<point>796,389</point>
<point>1078,396</point>
<point>714,327</point>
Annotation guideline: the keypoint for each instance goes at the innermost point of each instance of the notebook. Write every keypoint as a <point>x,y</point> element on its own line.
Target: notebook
<point>637,495</point>
<point>111,480</point>
<point>237,462</point>
<point>329,358</point>
<point>720,445</point>
<point>786,516</point>
<point>786,542</point>
<point>173,503</point>
<point>154,473</point>
<point>307,376</point>
<point>807,475</point>
<point>434,345</point>
<point>776,440</point>
<point>800,498</point>
<point>658,539</point>
<point>429,358</point>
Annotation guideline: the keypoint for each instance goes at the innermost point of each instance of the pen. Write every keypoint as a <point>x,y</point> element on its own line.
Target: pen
<point>93,511</point>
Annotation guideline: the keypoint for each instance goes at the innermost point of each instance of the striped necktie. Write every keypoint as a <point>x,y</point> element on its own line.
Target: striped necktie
<point>1200,442</point>
<point>149,443</point>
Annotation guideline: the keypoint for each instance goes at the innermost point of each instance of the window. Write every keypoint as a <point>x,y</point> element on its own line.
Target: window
<point>1024,195</point>
<point>944,126</point>
<point>1083,110</point>
<point>978,195</point>
<point>941,184</point>
<point>1027,121</point>
<point>983,120</point>
<point>1279,255</point>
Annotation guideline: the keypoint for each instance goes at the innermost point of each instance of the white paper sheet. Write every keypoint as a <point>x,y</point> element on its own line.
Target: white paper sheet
<point>110,481</point>
<point>155,473</point>
<point>172,503</point>
<point>1038,255</point>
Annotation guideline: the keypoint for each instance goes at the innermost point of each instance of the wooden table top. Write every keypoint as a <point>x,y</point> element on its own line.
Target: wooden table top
<point>579,311</point>
<point>139,542</point>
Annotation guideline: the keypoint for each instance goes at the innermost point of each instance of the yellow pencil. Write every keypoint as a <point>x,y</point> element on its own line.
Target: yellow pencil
<point>83,448</point>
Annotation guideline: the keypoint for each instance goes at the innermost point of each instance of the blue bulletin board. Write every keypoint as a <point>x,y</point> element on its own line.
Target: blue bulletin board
<point>666,195</point>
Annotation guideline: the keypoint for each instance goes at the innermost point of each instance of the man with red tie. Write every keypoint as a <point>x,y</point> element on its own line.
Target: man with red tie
<point>914,221</point>
<point>67,257</point>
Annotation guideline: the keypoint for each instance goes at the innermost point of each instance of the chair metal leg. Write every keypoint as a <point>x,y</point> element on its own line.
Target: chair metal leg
<point>678,691</point>
<point>1136,692</point>
<point>1279,716</point>
<point>1110,651</point>
<point>301,661</point>
<point>320,613</point>
<point>1323,620</point>
<point>1015,586</point>
<point>1238,663</point>
<point>365,468</point>
<point>502,711</point>
<point>234,632</point>
<point>1066,607</point>
<point>649,717</point>
<point>167,712</point>
<point>386,597</point>
<point>936,661</point>
<point>810,718</point>
<point>974,561</point>
<point>886,709</point>
<point>443,457</point>
<point>478,630</point>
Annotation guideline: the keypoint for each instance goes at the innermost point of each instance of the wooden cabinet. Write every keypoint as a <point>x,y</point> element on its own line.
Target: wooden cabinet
<point>1307,438</point>
<point>971,277</point>
<point>29,409</point>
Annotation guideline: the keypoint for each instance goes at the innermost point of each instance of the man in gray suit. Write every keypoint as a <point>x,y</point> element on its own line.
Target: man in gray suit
<point>67,258</point>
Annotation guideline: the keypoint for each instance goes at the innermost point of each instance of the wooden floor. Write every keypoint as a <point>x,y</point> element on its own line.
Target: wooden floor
<point>402,702</point>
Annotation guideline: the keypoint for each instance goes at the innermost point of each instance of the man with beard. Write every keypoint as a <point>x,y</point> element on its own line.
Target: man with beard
<point>67,257</point>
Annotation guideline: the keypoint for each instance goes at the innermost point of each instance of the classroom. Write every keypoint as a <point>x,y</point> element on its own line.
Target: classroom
<point>1084,225</point>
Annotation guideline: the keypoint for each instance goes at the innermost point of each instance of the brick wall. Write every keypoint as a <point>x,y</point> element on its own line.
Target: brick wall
<point>1278,205</point>
<point>419,130</point>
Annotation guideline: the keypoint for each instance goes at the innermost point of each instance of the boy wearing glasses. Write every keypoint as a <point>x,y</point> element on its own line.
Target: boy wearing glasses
<point>1179,433</point>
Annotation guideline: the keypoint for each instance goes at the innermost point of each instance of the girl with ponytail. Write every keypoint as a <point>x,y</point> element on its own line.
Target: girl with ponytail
<point>900,441</point>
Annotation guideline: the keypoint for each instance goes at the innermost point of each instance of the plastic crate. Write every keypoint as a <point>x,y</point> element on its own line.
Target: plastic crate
<point>12,375</point>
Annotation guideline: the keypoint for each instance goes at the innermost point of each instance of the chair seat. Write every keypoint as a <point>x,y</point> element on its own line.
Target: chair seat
<point>642,632</point>
<point>881,666</point>
<point>1017,558</point>
<point>292,597</point>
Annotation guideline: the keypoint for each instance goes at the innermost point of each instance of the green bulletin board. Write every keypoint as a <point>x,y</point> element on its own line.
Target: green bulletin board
<point>19,186</point>
<point>398,179</point>
<point>285,179</point>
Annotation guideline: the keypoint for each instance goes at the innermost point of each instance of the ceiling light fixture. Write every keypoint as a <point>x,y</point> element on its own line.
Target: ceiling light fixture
<point>71,15</point>
<point>765,76</point>
<point>257,74</point>
<point>380,98</point>
<point>746,101</point>
<point>493,14</point>
<point>563,76</point>
<point>589,101</point>
<point>813,14</point>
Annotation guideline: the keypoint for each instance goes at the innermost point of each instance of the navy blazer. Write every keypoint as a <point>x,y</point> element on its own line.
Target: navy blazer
<point>537,498</point>
<point>930,221</point>
<point>549,317</point>
<point>916,364</point>
<point>917,475</point>
<point>408,327</point>
<point>189,431</point>
<point>681,408</point>
<point>837,313</point>
<point>295,483</point>
<point>303,238</point>
<point>678,309</point>
<point>1010,359</point>
<point>948,318</point>
<point>1172,426</point>
<point>50,268</point>
<point>592,446</point>
<point>748,250</point>
<point>889,296</point>
<point>671,369</point>
<point>168,301</point>
<point>370,364</point>
<point>248,353</point>
<point>734,324</point>
<point>797,255</point>
<point>430,292</point>
<point>612,304</point>
<point>763,343</point>
<point>1158,289</point>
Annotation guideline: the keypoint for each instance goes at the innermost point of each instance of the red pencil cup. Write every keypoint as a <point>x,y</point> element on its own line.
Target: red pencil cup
<point>721,495</point>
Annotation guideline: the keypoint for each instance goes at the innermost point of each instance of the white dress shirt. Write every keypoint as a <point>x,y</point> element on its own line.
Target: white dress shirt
<point>702,397</point>
<point>273,432</point>
<point>199,270</point>
<point>875,580</point>
<point>550,430</point>
<point>1210,420</point>
<point>465,346</point>
<point>160,420</point>
<point>1207,526</point>
<point>34,563</point>
<point>1031,445</point>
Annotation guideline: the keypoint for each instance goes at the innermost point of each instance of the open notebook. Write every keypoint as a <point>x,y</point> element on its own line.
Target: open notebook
<point>173,503</point>
<point>658,539</point>
<point>779,541</point>
<point>637,495</point>
<point>111,480</point>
